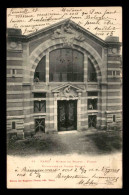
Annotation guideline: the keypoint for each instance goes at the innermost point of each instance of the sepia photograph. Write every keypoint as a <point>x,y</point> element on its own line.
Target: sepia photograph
<point>64,97</point>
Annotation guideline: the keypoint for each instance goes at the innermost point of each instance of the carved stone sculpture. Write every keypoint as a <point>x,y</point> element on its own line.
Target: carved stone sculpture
<point>68,92</point>
<point>68,34</point>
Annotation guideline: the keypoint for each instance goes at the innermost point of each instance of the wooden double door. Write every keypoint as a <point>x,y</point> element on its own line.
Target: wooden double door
<point>67,115</point>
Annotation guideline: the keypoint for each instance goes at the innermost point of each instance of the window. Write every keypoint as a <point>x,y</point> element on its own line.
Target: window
<point>66,65</point>
<point>40,72</point>
<point>117,72</point>
<point>40,125</point>
<point>92,120</point>
<point>13,125</point>
<point>114,118</point>
<point>92,104</point>
<point>40,106</point>
<point>39,95</point>
<point>114,73</point>
<point>92,93</point>
<point>13,72</point>
<point>92,77</point>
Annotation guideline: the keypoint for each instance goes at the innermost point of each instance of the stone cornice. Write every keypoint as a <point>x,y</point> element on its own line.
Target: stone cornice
<point>51,28</point>
<point>103,83</point>
<point>26,84</point>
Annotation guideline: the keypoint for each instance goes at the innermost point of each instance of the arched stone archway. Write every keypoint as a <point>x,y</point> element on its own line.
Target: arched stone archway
<point>88,51</point>
<point>46,47</point>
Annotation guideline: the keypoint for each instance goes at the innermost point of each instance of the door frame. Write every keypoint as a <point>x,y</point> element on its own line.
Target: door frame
<point>76,102</point>
<point>56,98</point>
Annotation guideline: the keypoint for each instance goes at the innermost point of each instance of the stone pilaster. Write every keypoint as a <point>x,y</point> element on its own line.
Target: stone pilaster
<point>103,105</point>
<point>55,112</point>
<point>85,67</point>
<point>47,67</point>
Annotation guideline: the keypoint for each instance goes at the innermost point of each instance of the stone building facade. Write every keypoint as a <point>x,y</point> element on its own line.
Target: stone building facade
<point>62,78</point>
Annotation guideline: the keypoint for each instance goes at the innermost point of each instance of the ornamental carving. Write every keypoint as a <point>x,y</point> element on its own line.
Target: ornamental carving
<point>68,34</point>
<point>113,50</point>
<point>14,45</point>
<point>68,92</point>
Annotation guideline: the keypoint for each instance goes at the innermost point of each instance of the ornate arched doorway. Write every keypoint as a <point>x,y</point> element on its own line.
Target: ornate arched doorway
<point>75,67</point>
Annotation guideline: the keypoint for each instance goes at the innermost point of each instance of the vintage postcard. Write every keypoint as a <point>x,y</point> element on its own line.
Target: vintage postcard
<point>64,97</point>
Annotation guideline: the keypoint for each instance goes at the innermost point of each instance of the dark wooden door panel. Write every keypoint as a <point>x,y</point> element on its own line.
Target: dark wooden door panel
<point>67,115</point>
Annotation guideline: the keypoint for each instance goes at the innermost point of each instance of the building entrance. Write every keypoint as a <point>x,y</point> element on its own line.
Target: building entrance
<point>67,115</point>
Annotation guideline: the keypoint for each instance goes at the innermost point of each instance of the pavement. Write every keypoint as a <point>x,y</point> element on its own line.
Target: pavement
<point>91,142</point>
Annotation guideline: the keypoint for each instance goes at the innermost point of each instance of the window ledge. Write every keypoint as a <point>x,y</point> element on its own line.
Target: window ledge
<point>90,111</point>
<point>66,82</point>
<point>92,82</point>
<point>39,114</point>
<point>92,97</point>
<point>12,131</point>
